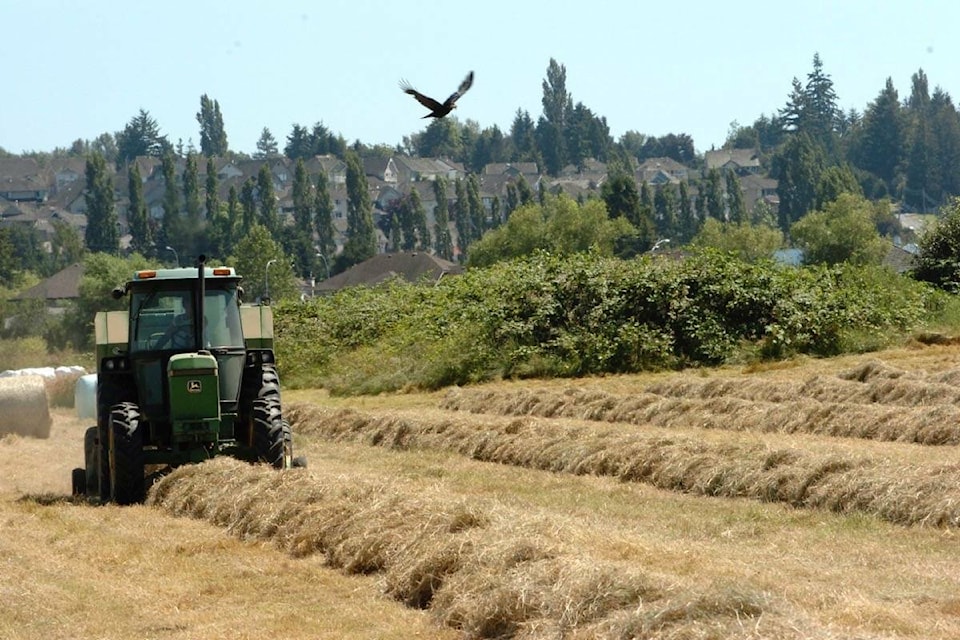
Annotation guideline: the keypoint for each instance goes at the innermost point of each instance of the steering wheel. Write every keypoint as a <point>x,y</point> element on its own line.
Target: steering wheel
<point>179,333</point>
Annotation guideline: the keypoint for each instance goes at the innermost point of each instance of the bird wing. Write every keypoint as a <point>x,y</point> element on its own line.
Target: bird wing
<point>462,89</point>
<point>426,101</point>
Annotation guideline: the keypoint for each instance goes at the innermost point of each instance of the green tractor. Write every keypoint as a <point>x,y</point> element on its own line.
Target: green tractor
<point>185,373</point>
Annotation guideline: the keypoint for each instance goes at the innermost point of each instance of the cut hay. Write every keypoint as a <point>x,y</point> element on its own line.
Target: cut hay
<point>928,419</point>
<point>841,482</point>
<point>24,409</point>
<point>485,569</point>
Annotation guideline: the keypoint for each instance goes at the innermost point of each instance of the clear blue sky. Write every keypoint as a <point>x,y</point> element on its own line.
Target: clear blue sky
<point>78,69</point>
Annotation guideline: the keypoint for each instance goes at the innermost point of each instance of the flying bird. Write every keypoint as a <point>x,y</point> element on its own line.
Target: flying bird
<point>437,109</point>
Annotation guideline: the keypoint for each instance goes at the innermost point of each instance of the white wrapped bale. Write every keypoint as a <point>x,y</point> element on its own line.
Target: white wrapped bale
<point>85,396</point>
<point>24,409</point>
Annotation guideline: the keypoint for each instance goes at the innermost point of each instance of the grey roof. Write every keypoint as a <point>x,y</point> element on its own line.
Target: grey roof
<point>415,266</point>
<point>64,284</point>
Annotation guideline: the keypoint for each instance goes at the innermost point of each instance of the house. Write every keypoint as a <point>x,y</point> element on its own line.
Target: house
<point>415,267</point>
<point>661,171</point>
<point>741,161</point>
<point>22,180</point>
<point>57,290</point>
<point>383,169</point>
<point>757,188</point>
<point>414,169</point>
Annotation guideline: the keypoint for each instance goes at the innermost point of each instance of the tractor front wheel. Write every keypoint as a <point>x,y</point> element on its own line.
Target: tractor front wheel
<point>127,484</point>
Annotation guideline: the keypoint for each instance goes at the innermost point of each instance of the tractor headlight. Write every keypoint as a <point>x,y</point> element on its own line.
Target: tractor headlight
<point>117,363</point>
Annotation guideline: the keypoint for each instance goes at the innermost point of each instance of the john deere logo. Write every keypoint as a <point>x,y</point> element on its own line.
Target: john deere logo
<point>194,386</point>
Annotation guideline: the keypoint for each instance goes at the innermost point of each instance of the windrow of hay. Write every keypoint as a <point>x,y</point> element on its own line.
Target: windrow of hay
<point>24,409</point>
<point>907,494</point>
<point>870,383</point>
<point>477,566</point>
<point>937,424</point>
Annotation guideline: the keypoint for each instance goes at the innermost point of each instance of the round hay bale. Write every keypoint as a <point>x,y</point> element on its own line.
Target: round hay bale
<point>24,409</point>
<point>85,396</point>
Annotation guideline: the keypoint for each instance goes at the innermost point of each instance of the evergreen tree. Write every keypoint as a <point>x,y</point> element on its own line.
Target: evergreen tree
<point>797,167</point>
<point>496,218</point>
<point>402,225</point>
<point>737,207</point>
<point>299,143</point>
<point>441,138</point>
<point>141,235</point>
<point>361,243</point>
<point>211,190</point>
<point>880,148</point>
<point>323,218</point>
<point>834,181</point>
<point>419,216</point>
<point>101,234</point>
<point>266,146</point>
<point>478,215</point>
<point>397,237</point>
<point>191,190</point>
<point>269,216</point>
<point>513,199</point>
<point>522,137</point>
<point>461,218</point>
<point>441,234</point>
<point>171,228</point>
<point>213,136</point>
<point>303,199</point>
<point>141,137</point>
<point>821,121</point>
<point>190,238</point>
<point>665,206</point>
<point>714,196</point>
<point>647,210</point>
<point>700,205</point>
<point>620,194</point>
<point>794,113</point>
<point>686,221</point>
<point>945,129</point>
<point>524,192</point>
<point>248,205</point>
<point>231,226</point>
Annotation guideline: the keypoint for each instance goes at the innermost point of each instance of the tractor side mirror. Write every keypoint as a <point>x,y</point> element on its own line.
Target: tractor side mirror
<point>118,292</point>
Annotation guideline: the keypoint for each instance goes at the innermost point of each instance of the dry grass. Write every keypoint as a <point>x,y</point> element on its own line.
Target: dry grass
<point>70,570</point>
<point>478,566</point>
<point>904,492</point>
<point>873,401</point>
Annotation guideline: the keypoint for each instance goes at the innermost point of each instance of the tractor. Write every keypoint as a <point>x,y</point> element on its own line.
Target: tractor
<point>185,372</point>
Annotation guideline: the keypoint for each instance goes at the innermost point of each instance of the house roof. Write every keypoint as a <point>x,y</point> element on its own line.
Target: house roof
<point>738,157</point>
<point>414,267</point>
<point>64,284</point>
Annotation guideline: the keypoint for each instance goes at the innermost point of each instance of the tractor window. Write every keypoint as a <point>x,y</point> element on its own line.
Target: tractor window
<point>221,319</point>
<point>162,320</point>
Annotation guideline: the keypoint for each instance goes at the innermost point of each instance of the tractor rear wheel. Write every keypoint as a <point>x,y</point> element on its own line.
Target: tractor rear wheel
<point>127,484</point>
<point>272,438</point>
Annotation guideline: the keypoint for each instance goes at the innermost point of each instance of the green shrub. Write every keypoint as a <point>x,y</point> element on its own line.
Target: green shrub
<point>584,314</point>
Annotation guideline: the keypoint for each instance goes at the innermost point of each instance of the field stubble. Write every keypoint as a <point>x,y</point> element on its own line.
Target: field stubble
<point>776,503</point>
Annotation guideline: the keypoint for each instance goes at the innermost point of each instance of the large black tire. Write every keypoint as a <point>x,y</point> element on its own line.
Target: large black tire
<point>272,439</point>
<point>91,461</point>
<point>127,484</point>
<point>112,390</point>
<point>78,480</point>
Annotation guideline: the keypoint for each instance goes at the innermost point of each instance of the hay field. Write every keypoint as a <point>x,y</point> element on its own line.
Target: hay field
<point>811,499</point>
